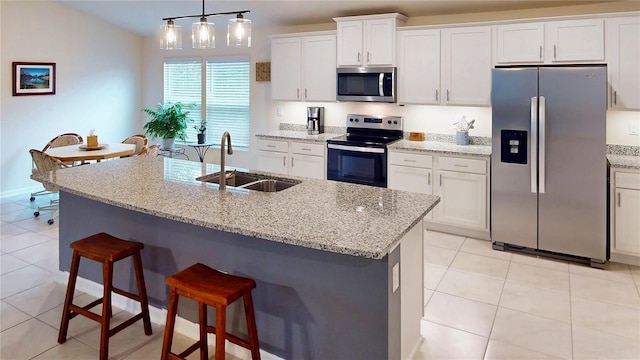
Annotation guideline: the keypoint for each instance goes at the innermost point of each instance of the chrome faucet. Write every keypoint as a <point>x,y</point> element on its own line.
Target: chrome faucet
<point>223,175</point>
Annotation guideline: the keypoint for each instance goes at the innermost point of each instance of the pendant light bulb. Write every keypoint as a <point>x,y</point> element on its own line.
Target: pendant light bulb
<point>239,32</point>
<point>203,34</point>
<point>170,36</point>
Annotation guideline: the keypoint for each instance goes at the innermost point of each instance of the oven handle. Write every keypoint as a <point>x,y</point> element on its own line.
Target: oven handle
<point>356,148</point>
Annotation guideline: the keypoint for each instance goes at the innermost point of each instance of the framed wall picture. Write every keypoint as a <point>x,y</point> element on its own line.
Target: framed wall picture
<point>31,78</point>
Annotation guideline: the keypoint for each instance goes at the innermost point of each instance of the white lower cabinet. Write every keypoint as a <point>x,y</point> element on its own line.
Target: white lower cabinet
<point>625,212</point>
<point>411,172</point>
<point>293,158</point>
<point>461,183</point>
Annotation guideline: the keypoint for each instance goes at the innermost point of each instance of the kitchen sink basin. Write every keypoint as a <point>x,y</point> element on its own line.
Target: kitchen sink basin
<point>250,181</point>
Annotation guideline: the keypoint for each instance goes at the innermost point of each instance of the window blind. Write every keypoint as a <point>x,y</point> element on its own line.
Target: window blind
<point>183,83</point>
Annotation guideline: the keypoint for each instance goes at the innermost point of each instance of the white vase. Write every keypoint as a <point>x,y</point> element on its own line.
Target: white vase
<point>168,143</point>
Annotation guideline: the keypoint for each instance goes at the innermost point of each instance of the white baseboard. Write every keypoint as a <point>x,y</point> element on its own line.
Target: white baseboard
<point>158,316</point>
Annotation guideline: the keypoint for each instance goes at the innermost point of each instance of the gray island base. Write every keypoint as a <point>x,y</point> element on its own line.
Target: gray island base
<point>329,286</point>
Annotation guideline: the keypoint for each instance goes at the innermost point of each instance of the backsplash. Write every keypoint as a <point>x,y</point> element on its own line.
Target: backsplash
<point>628,150</point>
<point>473,140</point>
<point>303,127</point>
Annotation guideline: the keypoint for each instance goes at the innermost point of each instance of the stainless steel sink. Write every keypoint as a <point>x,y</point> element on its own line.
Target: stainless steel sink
<point>269,185</point>
<point>250,181</point>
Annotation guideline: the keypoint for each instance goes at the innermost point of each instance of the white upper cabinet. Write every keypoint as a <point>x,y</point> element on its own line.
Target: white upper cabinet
<point>623,58</point>
<point>303,68</point>
<point>550,42</point>
<point>466,66</point>
<point>367,40</point>
<point>518,43</point>
<point>418,67</point>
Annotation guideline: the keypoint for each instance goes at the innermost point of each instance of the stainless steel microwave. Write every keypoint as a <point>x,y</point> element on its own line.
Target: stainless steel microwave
<point>366,84</point>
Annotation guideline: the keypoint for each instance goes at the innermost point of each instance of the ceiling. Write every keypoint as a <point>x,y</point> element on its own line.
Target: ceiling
<point>144,16</point>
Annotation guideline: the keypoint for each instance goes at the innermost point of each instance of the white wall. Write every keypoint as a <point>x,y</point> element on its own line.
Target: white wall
<point>99,84</point>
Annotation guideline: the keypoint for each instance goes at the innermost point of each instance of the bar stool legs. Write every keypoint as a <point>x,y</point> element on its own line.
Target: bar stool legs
<point>107,250</point>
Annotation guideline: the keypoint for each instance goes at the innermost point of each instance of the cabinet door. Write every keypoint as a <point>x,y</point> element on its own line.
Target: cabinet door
<point>286,69</point>
<point>463,200</point>
<point>466,66</point>
<point>379,36</point>
<point>575,40</point>
<point>627,213</point>
<point>623,59</point>
<point>520,43</point>
<point>307,166</point>
<point>350,43</point>
<point>319,68</point>
<point>419,67</point>
<point>272,161</point>
<point>412,179</point>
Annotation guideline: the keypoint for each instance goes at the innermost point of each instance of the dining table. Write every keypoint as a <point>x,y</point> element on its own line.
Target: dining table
<point>82,153</point>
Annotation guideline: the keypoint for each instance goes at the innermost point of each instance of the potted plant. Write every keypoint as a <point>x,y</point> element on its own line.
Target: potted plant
<point>201,129</point>
<point>168,122</point>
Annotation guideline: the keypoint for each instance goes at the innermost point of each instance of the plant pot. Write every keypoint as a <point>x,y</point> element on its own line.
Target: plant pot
<point>168,143</point>
<point>201,138</point>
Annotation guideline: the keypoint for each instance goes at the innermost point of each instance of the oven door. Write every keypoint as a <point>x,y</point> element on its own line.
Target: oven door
<point>365,165</point>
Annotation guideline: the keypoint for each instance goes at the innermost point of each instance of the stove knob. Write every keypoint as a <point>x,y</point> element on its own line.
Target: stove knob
<point>351,120</point>
<point>389,122</point>
<point>395,123</point>
<point>357,120</point>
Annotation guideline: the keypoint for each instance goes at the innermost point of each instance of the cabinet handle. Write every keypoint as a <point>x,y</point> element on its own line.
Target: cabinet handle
<point>305,93</point>
<point>555,52</point>
<point>618,199</point>
<point>447,95</point>
<point>306,149</point>
<point>271,146</point>
<point>440,179</point>
<point>436,94</point>
<point>407,160</point>
<point>615,98</point>
<point>368,57</point>
<point>358,57</point>
<point>429,179</point>
<point>291,162</point>
<point>284,161</point>
<point>540,52</point>
<point>298,93</point>
<point>458,165</point>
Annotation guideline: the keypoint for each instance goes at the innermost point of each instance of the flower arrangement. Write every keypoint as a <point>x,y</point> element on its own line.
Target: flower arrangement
<point>202,127</point>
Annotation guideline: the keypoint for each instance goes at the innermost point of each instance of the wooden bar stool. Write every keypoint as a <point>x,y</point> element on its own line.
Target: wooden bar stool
<point>216,289</point>
<point>106,249</point>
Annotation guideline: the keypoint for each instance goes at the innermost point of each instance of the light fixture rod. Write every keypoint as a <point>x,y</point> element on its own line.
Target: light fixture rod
<point>205,15</point>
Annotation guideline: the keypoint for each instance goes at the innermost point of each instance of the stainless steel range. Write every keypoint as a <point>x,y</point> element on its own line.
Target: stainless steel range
<point>360,156</point>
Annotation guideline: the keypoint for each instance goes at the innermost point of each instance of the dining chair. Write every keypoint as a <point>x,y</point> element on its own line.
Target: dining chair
<point>58,141</point>
<point>45,163</point>
<point>140,141</point>
<point>153,150</point>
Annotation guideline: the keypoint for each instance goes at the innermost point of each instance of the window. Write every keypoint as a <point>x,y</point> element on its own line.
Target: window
<point>224,95</point>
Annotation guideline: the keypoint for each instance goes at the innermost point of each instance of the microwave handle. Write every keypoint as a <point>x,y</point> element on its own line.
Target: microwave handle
<point>381,84</point>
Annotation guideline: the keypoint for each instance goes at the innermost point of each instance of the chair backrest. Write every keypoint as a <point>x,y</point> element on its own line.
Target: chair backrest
<point>139,141</point>
<point>45,163</point>
<point>153,150</point>
<point>64,140</point>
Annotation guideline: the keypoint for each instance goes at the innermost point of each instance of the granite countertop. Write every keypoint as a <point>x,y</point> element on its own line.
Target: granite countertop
<point>331,216</point>
<point>624,161</point>
<point>297,135</point>
<point>442,148</point>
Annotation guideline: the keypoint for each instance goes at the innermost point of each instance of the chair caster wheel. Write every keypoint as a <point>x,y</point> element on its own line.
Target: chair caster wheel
<point>32,198</point>
<point>50,221</point>
<point>36,214</point>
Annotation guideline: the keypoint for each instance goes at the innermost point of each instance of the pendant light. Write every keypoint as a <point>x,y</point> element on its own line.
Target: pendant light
<point>203,32</point>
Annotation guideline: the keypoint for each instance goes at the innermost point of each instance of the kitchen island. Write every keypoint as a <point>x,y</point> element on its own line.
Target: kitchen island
<point>338,266</point>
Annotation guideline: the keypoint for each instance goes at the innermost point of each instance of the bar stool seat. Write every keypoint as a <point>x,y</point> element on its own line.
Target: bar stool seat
<point>216,289</point>
<point>105,249</point>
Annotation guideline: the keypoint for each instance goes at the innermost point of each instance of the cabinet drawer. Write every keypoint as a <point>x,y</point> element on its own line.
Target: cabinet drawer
<point>306,148</point>
<point>627,180</point>
<point>463,165</point>
<point>273,145</point>
<point>411,159</point>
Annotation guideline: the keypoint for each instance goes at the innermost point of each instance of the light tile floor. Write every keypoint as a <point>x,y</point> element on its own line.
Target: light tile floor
<point>479,303</point>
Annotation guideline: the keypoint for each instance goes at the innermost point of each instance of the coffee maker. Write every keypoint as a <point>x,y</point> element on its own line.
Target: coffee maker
<point>315,120</point>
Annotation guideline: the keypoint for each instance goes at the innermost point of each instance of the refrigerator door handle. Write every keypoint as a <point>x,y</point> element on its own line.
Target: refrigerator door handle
<point>534,144</point>
<point>542,146</point>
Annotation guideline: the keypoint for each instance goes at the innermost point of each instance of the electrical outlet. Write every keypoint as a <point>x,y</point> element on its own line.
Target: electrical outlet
<point>396,277</point>
<point>279,111</point>
<point>633,128</point>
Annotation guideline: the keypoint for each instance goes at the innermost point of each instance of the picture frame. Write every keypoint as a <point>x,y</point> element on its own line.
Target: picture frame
<point>34,78</point>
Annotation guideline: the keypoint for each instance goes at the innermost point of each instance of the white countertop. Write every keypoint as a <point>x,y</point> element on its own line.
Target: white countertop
<point>442,148</point>
<point>326,215</point>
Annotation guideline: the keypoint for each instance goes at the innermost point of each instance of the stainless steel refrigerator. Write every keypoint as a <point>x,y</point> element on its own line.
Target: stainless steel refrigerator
<point>549,169</point>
